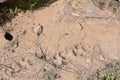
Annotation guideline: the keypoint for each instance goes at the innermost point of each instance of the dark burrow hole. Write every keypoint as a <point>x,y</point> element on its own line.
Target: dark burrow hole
<point>8,36</point>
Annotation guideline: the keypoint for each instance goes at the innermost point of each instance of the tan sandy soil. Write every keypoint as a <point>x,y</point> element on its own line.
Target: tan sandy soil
<point>59,42</point>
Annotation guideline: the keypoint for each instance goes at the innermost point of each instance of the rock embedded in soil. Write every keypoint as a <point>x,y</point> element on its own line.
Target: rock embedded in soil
<point>38,30</point>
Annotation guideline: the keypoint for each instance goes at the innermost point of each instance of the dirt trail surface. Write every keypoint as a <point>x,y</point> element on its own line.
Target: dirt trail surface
<point>68,40</point>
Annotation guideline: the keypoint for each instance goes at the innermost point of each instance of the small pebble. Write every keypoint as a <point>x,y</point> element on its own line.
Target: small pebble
<point>38,30</point>
<point>88,60</point>
<point>102,57</point>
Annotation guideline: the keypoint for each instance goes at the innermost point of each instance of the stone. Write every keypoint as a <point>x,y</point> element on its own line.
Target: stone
<point>38,30</point>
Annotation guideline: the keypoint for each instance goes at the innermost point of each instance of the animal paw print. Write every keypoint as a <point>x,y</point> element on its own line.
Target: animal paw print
<point>60,58</point>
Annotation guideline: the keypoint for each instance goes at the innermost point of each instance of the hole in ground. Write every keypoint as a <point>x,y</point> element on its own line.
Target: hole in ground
<point>8,36</point>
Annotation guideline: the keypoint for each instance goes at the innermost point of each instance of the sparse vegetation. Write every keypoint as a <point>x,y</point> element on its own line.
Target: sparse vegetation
<point>112,71</point>
<point>10,9</point>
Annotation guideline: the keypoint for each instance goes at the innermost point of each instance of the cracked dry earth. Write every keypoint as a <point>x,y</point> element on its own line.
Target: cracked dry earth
<point>68,40</point>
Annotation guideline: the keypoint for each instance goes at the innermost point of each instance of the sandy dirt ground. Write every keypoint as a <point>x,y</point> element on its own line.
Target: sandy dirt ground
<point>68,40</point>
